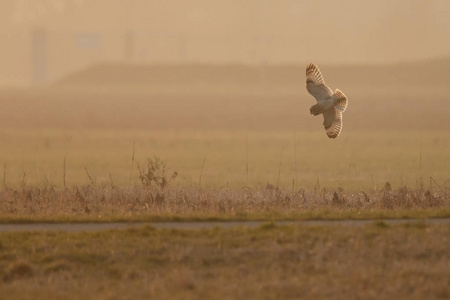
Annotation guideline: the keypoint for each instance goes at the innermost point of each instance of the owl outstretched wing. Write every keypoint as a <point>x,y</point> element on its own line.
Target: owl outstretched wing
<point>315,83</point>
<point>332,121</point>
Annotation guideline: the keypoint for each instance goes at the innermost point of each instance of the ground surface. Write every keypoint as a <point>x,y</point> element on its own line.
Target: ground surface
<point>86,226</point>
<point>268,262</point>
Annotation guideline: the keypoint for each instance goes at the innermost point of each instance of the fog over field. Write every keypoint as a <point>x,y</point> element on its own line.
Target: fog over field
<point>218,89</point>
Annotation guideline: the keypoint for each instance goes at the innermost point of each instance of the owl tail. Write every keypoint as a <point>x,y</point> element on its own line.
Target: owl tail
<point>340,101</point>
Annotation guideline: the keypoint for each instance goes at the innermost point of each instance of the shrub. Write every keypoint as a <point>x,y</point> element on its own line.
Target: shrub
<point>154,174</point>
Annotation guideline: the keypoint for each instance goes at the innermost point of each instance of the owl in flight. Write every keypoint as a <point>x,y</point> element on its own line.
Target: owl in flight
<point>331,105</point>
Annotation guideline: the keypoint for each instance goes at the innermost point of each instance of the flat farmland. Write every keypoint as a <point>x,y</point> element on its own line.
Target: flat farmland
<point>214,159</point>
<point>244,147</point>
<point>270,262</point>
<point>228,126</point>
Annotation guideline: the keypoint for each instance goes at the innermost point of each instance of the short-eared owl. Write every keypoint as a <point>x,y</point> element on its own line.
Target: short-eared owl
<point>331,105</point>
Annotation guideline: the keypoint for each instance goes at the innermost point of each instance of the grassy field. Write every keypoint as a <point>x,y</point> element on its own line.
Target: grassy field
<point>228,127</point>
<point>269,262</point>
<point>289,160</point>
<point>244,148</point>
<point>225,123</point>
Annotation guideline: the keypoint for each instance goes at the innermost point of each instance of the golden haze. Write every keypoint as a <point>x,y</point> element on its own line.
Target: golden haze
<point>223,83</point>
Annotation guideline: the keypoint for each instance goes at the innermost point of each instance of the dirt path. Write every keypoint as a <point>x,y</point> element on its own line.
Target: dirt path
<point>76,227</point>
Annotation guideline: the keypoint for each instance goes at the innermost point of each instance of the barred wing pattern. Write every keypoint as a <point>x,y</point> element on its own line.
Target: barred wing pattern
<point>313,74</point>
<point>342,104</point>
<point>315,84</point>
<point>332,121</point>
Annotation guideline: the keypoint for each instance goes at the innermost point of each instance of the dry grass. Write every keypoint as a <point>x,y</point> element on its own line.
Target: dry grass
<point>356,161</point>
<point>140,203</point>
<point>372,262</point>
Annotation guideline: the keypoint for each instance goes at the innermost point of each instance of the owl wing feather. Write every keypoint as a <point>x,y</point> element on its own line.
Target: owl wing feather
<point>332,121</point>
<point>315,84</point>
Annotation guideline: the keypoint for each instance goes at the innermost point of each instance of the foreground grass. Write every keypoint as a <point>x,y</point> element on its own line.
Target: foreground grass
<point>269,262</point>
<point>105,204</point>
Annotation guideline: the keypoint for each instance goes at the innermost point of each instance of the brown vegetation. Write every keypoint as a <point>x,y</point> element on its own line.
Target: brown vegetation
<point>269,262</point>
<point>110,201</point>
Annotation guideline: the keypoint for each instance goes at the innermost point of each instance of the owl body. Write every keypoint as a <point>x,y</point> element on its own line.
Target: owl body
<point>321,106</point>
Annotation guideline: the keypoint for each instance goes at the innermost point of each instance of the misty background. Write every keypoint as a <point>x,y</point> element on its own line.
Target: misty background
<point>90,84</point>
<point>44,40</point>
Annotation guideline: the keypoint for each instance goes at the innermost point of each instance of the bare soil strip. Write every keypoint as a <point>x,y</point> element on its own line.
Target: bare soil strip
<point>77,227</point>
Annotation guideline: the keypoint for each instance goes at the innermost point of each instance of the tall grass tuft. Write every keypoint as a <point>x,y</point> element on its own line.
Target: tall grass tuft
<point>154,174</point>
<point>201,171</point>
<point>92,181</point>
<point>132,162</point>
<point>4,175</point>
<point>64,171</point>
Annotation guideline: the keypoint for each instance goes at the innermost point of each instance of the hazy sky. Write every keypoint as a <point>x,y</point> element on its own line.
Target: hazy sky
<point>348,30</point>
<point>251,31</point>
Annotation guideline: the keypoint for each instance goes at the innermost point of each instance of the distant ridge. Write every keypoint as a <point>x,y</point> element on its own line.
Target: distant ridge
<point>432,72</point>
